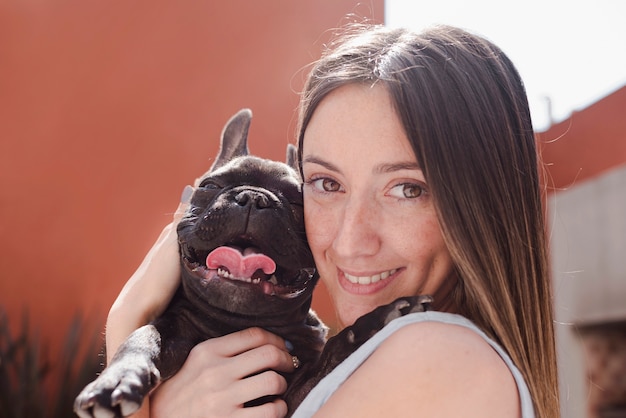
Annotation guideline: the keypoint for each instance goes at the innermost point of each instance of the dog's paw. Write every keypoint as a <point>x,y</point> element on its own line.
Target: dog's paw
<point>369,324</point>
<point>118,392</point>
<point>404,306</point>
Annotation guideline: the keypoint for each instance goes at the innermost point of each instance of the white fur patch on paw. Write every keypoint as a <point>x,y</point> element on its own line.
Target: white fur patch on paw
<point>82,413</point>
<point>128,407</point>
<point>100,412</point>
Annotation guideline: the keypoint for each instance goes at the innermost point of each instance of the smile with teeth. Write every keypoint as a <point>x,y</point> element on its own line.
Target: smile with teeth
<point>369,279</point>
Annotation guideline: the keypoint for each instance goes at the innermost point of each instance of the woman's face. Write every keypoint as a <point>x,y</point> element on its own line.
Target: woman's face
<point>370,219</point>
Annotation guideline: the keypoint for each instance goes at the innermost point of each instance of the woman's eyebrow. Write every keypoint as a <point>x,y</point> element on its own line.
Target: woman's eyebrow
<point>391,167</point>
<point>382,168</point>
<point>316,160</point>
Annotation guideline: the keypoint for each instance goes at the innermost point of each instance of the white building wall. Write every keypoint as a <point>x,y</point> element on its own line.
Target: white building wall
<point>588,256</point>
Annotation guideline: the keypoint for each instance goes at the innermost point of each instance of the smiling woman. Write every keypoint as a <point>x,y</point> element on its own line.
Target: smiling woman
<point>452,106</point>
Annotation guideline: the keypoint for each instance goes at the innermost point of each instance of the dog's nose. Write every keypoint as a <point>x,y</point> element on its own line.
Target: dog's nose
<point>252,197</point>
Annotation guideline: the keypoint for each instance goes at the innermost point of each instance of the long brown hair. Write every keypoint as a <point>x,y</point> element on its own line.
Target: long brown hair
<point>464,109</point>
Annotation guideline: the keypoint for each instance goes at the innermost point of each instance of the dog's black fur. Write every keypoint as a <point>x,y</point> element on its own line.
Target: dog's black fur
<point>251,204</point>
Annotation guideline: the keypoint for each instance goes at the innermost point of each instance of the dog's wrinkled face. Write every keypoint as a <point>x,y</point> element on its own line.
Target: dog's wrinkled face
<point>242,240</point>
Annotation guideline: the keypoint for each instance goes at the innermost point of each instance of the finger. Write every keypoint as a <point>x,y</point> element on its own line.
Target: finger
<point>267,357</point>
<point>268,383</point>
<point>241,341</point>
<point>276,408</point>
<point>218,371</point>
<point>185,198</point>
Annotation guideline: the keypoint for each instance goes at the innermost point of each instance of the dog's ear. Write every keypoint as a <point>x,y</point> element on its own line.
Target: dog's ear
<point>234,142</point>
<point>292,156</point>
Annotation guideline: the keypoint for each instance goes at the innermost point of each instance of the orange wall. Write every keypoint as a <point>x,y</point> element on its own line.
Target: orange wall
<point>586,144</point>
<point>108,108</point>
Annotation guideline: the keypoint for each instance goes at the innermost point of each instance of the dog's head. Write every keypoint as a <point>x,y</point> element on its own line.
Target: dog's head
<point>242,241</point>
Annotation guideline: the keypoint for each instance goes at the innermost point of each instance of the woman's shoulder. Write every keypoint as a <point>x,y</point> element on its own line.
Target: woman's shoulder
<point>434,368</point>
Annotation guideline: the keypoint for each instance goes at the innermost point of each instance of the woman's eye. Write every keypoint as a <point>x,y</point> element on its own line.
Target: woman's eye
<point>407,191</point>
<point>326,185</point>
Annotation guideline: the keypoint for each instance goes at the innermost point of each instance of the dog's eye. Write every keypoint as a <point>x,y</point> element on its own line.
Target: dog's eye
<point>210,184</point>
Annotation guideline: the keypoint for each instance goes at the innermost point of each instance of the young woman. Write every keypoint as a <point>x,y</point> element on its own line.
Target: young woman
<point>420,177</point>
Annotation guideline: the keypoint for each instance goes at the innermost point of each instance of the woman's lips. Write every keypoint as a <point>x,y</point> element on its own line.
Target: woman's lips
<point>369,279</point>
<point>366,284</point>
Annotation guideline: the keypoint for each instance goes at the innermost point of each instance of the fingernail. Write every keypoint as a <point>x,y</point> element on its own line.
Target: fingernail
<point>186,195</point>
<point>289,346</point>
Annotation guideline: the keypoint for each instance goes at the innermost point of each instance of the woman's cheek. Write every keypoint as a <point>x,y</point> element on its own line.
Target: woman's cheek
<point>319,221</point>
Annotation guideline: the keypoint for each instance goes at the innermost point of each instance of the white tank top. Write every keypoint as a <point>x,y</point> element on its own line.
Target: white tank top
<point>327,386</point>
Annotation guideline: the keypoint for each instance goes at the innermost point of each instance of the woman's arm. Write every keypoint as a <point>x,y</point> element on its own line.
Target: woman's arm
<point>147,292</point>
<point>432,370</point>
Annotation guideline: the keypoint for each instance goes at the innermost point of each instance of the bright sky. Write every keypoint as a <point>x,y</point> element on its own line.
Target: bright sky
<point>572,51</point>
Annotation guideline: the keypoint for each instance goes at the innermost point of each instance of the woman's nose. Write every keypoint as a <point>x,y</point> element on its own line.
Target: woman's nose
<point>358,228</point>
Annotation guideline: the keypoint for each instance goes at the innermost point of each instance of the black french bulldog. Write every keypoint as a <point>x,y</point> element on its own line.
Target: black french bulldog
<point>245,262</point>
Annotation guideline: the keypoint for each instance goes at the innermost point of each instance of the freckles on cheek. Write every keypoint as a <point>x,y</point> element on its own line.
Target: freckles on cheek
<point>318,228</point>
<point>311,222</point>
<point>314,228</point>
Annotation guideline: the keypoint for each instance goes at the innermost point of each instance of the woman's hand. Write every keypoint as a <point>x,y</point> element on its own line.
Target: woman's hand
<point>221,374</point>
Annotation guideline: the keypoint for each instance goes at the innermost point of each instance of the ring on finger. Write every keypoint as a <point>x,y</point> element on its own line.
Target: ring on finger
<point>296,362</point>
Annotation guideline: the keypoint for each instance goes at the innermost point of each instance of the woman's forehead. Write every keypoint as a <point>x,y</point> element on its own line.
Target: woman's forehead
<point>358,122</point>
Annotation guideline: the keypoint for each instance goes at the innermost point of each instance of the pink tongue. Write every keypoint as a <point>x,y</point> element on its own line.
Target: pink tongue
<point>238,264</point>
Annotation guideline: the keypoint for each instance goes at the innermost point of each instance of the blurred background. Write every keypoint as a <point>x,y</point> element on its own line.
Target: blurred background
<point>108,109</point>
